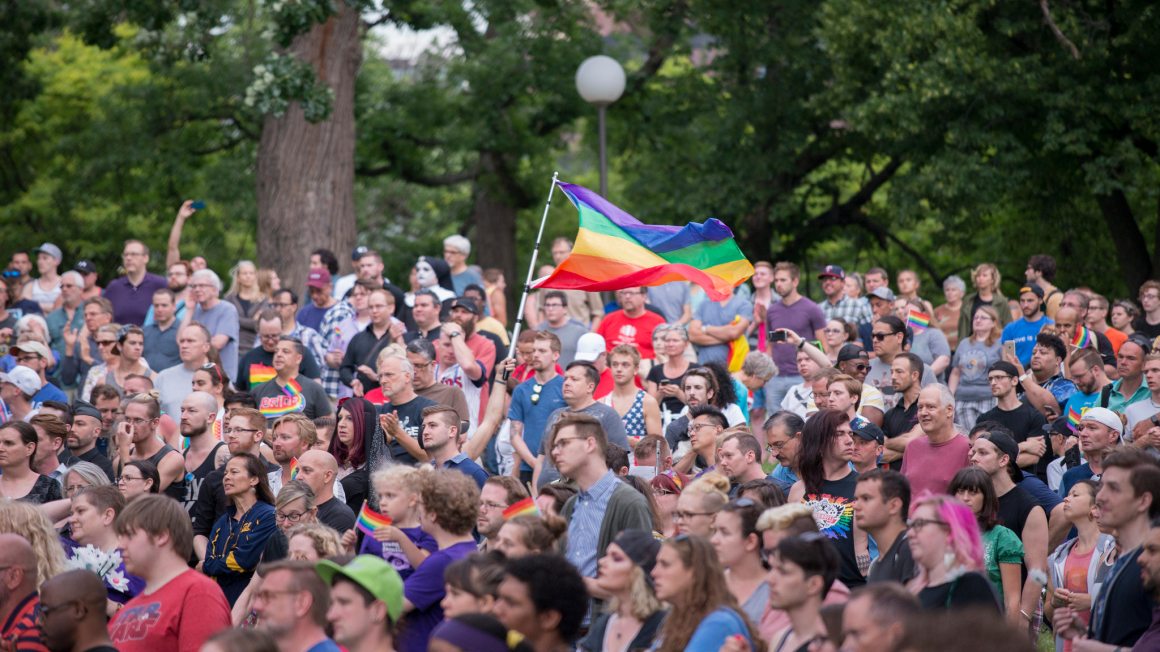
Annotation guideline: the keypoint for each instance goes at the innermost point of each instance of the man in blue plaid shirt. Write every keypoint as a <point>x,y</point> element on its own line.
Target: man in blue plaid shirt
<point>839,306</point>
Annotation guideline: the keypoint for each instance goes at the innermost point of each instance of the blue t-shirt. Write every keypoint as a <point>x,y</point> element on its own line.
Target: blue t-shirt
<point>1023,333</point>
<point>49,392</point>
<point>712,313</point>
<point>325,645</point>
<point>1077,403</point>
<point>535,416</point>
<point>311,315</point>
<point>425,589</point>
<point>1074,475</point>
<point>715,629</point>
<point>393,554</point>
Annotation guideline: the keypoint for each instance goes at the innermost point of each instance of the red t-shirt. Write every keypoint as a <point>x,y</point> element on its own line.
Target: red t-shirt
<point>179,616</point>
<point>931,467</point>
<point>618,328</point>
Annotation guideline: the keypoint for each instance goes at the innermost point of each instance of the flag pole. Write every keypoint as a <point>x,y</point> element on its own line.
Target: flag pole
<point>531,269</point>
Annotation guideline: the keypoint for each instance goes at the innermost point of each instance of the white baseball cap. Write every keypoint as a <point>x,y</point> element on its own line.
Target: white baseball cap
<point>589,347</point>
<point>23,378</point>
<point>1104,416</point>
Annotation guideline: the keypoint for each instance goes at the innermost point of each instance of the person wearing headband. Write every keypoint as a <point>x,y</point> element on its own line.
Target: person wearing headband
<point>476,632</point>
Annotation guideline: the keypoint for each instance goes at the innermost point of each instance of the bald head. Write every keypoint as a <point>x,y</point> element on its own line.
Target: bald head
<point>16,552</point>
<point>75,585</point>
<point>203,400</point>
<point>318,469</point>
<point>77,600</point>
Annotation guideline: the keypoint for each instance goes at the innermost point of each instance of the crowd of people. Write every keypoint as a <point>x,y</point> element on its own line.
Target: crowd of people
<point>363,465</point>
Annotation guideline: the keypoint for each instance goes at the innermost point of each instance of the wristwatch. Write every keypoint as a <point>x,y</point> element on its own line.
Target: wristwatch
<point>454,334</point>
<point>1025,376</point>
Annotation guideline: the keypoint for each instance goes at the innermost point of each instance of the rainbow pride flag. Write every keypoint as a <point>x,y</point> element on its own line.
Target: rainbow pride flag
<point>738,349</point>
<point>1073,417</point>
<point>369,520</point>
<point>526,507</point>
<point>917,320</point>
<point>260,373</point>
<point>1083,338</point>
<point>293,468</point>
<point>289,402</point>
<point>615,250</point>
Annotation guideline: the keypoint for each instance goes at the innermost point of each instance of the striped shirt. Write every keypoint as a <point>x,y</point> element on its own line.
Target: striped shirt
<point>584,527</point>
<point>21,630</point>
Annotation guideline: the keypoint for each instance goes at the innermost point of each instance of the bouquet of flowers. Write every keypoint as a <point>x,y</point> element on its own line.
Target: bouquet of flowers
<point>105,564</point>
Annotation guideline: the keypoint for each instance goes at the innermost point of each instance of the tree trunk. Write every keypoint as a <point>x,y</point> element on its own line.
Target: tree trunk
<point>1135,262</point>
<point>494,240</point>
<point>306,171</point>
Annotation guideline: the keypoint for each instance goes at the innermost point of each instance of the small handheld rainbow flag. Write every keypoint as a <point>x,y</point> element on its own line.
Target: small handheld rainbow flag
<point>260,373</point>
<point>526,507</point>
<point>369,520</point>
<point>1083,338</point>
<point>917,320</point>
<point>1073,417</point>
<point>293,468</point>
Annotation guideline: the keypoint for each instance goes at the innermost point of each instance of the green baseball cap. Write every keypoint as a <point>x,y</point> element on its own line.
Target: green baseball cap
<point>372,573</point>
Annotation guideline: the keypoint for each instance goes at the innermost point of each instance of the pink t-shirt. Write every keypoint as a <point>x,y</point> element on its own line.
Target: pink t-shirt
<point>179,616</point>
<point>931,467</point>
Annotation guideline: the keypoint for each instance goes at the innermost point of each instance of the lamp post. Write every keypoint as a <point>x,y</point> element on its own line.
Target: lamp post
<point>600,81</point>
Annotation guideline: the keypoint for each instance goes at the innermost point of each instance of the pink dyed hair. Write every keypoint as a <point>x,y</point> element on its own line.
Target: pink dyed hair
<point>963,536</point>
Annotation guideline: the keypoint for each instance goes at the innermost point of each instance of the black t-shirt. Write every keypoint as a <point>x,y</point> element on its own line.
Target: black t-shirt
<point>176,489</point>
<point>354,485</point>
<point>260,356</point>
<point>899,420</point>
<point>834,511</point>
<point>1014,508</point>
<point>93,456</point>
<point>670,404</point>
<point>410,415</point>
<point>1141,325</point>
<point>44,490</point>
<point>895,564</point>
<point>335,514</point>
<point>277,548</point>
<point>1023,422</point>
<point>1123,610</point>
<point>196,478</point>
<point>968,590</point>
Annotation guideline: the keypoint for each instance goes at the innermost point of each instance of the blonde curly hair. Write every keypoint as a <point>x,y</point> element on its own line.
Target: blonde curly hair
<point>327,541</point>
<point>28,521</point>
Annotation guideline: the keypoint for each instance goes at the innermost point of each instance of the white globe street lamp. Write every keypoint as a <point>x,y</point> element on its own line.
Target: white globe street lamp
<point>600,81</point>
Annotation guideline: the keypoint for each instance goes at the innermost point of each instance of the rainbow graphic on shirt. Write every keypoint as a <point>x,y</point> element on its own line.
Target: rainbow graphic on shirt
<point>369,520</point>
<point>260,373</point>
<point>525,507</point>
<point>917,320</point>
<point>1083,338</point>
<point>289,402</point>
<point>833,514</point>
<point>293,468</point>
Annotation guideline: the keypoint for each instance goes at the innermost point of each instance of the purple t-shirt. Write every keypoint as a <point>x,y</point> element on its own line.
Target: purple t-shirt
<point>805,318</point>
<point>425,589</point>
<point>132,302</point>
<point>932,467</point>
<point>391,551</point>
